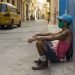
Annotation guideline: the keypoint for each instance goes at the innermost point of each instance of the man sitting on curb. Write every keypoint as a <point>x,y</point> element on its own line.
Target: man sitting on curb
<point>44,45</point>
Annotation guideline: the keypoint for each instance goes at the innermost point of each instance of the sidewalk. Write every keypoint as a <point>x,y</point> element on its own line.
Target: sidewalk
<point>66,68</point>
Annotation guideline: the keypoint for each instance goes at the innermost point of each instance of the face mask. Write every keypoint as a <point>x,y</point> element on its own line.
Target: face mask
<point>61,24</point>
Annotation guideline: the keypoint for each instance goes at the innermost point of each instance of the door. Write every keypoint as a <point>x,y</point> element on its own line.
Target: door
<point>27,13</point>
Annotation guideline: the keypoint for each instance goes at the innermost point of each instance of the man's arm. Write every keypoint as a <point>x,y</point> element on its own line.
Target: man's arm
<point>43,34</point>
<point>59,36</point>
<point>47,34</point>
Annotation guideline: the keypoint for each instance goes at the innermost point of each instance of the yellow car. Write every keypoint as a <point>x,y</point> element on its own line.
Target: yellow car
<point>9,15</point>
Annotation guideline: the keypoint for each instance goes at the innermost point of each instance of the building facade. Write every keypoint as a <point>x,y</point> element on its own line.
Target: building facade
<point>54,10</point>
<point>46,10</point>
<point>31,9</point>
<point>27,8</point>
<point>42,9</point>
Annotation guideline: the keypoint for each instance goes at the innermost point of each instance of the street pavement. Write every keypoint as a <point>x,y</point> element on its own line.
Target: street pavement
<point>17,55</point>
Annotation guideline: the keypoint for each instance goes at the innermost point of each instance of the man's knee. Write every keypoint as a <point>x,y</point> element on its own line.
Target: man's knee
<point>40,43</point>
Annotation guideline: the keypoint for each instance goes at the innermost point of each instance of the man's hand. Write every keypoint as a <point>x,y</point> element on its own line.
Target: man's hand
<point>31,40</point>
<point>35,36</point>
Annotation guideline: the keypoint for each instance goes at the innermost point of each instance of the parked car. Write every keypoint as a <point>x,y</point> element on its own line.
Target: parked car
<point>9,15</point>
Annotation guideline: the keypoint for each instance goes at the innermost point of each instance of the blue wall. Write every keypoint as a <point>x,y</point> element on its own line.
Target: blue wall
<point>71,11</point>
<point>62,6</point>
<point>69,5</point>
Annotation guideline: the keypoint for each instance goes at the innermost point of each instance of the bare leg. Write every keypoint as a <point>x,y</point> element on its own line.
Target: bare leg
<point>40,47</point>
<point>42,63</point>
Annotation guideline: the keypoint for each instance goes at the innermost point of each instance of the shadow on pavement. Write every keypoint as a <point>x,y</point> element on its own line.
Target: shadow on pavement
<point>6,28</point>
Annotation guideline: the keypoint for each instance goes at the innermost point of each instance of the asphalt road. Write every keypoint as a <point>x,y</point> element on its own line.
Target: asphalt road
<point>17,55</point>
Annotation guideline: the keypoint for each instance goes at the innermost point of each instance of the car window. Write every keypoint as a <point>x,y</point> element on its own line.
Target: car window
<point>3,7</point>
<point>17,11</point>
<point>13,10</point>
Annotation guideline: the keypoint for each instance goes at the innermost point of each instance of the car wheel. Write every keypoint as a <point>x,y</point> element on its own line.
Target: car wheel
<point>11,25</point>
<point>2,26</point>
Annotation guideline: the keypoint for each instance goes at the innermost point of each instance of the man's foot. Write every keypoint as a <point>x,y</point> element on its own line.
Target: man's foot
<point>38,61</point>
<point>41,66</point>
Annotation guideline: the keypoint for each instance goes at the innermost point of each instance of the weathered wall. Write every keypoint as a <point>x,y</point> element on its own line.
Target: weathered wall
<point>69,6</point>
<point>71,11</point>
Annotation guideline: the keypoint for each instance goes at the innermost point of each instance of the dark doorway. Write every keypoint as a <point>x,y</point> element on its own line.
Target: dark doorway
<point>8,1</point>
<point>27,13</point>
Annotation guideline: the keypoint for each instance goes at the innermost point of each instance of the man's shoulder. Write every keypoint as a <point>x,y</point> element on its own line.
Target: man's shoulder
<point>67,31</point>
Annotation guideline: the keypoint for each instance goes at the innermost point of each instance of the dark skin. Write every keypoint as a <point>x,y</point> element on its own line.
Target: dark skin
<point>65,35</point>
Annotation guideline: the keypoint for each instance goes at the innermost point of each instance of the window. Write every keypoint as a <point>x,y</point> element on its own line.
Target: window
<point>13,10</point>
<point>2,7</point>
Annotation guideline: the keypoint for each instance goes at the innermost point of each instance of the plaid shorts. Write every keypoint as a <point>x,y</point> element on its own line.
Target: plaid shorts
<point>50,54</point>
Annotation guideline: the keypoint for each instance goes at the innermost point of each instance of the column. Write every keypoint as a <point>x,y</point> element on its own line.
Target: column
<point>16,3</point>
